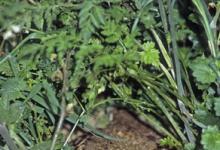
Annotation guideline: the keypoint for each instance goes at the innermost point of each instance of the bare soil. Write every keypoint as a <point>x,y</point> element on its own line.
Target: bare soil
<point>136,135</point>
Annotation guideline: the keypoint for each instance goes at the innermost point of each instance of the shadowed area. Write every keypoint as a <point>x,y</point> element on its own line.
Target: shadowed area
<point>137,135</point>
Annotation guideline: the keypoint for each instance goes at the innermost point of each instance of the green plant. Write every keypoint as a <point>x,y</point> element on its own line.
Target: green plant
<point>86,54</point>
<point>210,138</point>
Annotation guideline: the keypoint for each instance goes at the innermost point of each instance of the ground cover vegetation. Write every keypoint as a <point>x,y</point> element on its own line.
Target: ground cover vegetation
<point>61,60</point>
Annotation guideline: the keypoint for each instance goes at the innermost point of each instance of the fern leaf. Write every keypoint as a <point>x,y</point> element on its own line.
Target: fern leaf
<point>90,17</point>
<point>89,49</point>
<point>112,31</point>
<point>107,60</point>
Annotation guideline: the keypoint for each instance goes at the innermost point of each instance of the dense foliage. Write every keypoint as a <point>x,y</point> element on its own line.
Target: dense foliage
<point>62,60</point>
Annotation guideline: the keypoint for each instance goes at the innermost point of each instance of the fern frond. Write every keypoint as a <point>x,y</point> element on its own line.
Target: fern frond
<point>91,16</point>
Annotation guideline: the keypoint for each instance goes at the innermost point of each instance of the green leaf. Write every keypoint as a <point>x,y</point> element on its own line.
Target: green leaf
<point>112,31</point>
<point>35,90</point>
<point>39,100</point>
<point>90,49</point>
<point>150,55</point>
<point>51,95</point>
<point>211,138</point>
<point>202,71</point>
<point>12,89</point>
<point>90,18</point>
<point>11,113</point>
<point>205,117</point>
<point>107,60</point>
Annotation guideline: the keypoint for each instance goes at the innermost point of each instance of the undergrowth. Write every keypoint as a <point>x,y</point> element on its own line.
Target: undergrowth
<point>61,60</point>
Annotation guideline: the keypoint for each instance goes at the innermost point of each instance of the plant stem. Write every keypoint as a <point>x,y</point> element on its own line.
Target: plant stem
<point>178,70</point>
<point>76,123</point>
<point>63,100</point>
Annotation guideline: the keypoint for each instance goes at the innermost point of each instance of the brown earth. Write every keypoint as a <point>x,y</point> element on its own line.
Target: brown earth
<point>136,135</point>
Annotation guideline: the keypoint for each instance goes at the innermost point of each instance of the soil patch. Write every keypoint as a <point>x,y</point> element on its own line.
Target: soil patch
<point>124,125</point>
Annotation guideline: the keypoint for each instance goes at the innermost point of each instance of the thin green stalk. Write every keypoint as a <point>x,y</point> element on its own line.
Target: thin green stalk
<point>175,49</point>
<point>142,76</point>
<point>178,70</point>
<point>163,49</point>
<point>152,121</point>
<point>167,59</point>
<point>165,24</point>
<point>163,15</point>
<point>160,104</point>
<point>169,101</point>
<point>189,86</point>
<point>202,8</point>
<point>167,89</point>
<point>168,75</point>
